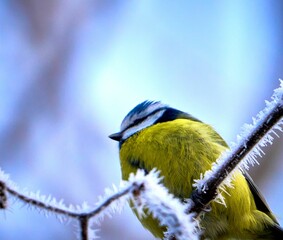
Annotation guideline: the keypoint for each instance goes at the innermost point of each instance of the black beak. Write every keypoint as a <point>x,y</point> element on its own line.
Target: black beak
<point>116,136</point>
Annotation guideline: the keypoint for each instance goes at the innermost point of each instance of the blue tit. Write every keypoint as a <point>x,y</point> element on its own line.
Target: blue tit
<point>181,147</point>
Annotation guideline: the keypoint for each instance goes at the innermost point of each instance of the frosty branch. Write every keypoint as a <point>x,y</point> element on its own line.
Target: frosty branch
<point>143,190</point>
<point>248,147</point>
<point>146,190</point>
<point>59,209</point>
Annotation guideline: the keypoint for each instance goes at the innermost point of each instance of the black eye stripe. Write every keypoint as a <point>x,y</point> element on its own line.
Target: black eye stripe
<point>139,120</point>
<point>169,114</point>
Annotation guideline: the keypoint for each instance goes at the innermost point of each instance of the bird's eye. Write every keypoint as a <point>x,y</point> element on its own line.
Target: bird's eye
<point>136,122</point>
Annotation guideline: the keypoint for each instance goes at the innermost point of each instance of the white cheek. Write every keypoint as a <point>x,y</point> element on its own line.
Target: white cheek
<point>150,109</point>
<point>144,124</point>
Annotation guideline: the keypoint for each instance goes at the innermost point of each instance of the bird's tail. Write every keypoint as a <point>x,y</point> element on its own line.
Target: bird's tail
<point>276,233</point>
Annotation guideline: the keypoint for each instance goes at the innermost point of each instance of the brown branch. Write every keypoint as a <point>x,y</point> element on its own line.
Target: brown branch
<point>3,196</point>
<point>82,217</point>
<point>201,198</point>
<point>84,227</point>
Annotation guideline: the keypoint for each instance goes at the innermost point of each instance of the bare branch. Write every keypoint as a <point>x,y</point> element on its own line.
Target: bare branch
<point>146,192</point>
<point>3,196</point>
<point>84,227</point>
<point>267,121</point>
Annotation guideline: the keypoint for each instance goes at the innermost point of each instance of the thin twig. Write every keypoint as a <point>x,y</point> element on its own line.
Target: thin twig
<point>201,199</point>
<point>84,227</point>
<point>3,196</point>
<point>40,204</point>
<point>71,213</point>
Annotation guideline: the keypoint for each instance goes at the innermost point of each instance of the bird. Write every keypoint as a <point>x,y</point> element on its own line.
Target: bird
<point>155,135</point>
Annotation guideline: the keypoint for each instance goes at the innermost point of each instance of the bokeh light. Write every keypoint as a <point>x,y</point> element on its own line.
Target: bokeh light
<point>71,70</point>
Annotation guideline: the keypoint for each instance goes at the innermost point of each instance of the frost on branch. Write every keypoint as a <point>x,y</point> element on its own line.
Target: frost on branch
<point>144,190</point>
<point>164,206</point>
<point>242,154</point>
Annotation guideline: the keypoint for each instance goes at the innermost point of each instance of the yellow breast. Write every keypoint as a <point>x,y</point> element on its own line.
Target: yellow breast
<point>182,149</point>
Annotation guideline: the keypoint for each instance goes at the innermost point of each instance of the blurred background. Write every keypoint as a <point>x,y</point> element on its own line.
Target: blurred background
<point>70,70</point>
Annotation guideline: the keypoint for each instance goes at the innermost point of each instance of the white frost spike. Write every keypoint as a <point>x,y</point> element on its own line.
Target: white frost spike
<point>162,205</point>
<point>92,233</point>
<point>251,158</point>
<point>115,206</point>
<point>4,177</point>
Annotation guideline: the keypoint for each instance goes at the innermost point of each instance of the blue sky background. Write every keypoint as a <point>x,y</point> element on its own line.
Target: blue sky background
<point>71,70</point>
